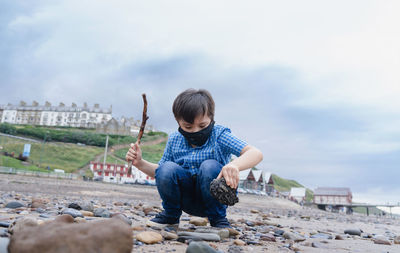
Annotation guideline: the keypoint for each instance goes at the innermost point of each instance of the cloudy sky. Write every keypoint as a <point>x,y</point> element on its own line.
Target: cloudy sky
<point>314,84</point>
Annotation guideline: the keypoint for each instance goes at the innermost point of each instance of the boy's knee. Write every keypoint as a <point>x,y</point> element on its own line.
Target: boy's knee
<point>210,168</point>
<point>166,170</point>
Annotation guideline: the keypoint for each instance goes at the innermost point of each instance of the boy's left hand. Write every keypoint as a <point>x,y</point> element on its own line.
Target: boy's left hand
<point>231,174</point>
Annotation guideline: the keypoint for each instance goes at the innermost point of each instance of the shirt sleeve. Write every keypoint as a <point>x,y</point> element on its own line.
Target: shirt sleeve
<point>167,156</point>
<point>231,144</point>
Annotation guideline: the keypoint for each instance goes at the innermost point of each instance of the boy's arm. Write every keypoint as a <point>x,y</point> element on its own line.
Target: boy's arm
<point>249,157</point>
<point>134,154</point>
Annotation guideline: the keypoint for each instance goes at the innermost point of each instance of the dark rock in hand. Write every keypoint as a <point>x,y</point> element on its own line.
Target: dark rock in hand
<point>223,193</point>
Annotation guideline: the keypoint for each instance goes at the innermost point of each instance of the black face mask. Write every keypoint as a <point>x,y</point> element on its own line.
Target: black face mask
<point>198,138</point>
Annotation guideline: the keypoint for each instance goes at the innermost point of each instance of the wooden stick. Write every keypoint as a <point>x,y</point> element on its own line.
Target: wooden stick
<point>142,126</point>
<point>144,119</point>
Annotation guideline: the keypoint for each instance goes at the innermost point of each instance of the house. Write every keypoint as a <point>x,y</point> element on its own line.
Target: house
<point>116,173</point>
<point>332,196</point>
<point>298,194</point>
<point>256,180</point>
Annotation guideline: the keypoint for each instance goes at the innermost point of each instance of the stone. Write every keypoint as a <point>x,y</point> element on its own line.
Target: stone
<point>66,218</point>
<point>101,212</point>
<point>235,249</point>
<point>339,237</point>
<point>293,236</point>
<point>87,206</point>
<point>200,236</point>
<point>168,235</point>
<point>279,232</point>
<point>138,228</point>
<point>318,245</point>
<point>75,206</point>
<point>254,211</point>
<point>198,221</point>
<point>233,232</point>
<point>149,237</point>
<point>353,232</point>
<point>268,237</point>
<point>396,240</point>
<point>4,244</point>
<point>87,213</point>
<point>21,224</point>
<point>122,217</point>
<point>39,203</point>
<point>250,223</point>
<point>321,236</point>
<point>80,220</point>
<point>239,242</point>
<point>4,224</point>
<point>380,239</point>
<point>111,235</point>
<point>223,193</point>
<point>200,247</point>
<point>148,210</point>
<point>14,204</point>
<point>25,212</point>
<point>73,212</point>
<point>223,233</point>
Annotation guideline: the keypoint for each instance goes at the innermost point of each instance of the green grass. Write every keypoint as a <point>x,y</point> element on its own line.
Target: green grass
<point>68,157</point>
<point>6,161</point>
<point>113,160</point>
<point>151,153</point>
<point>284,185</point>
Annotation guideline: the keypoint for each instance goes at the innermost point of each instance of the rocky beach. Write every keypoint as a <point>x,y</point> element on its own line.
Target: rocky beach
<point>59,215</point>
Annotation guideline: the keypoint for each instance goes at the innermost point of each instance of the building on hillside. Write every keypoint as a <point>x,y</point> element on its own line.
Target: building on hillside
<point>256,180</point>
<point>298,194</point>
<point>332,196</point>
<point>61,115</point>
<point>116,173</point>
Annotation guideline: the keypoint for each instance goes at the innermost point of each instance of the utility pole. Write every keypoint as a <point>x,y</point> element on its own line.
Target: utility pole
<point>105,157</point>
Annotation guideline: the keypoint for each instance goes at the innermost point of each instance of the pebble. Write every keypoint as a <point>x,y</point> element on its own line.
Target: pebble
<point>80,220</point>
<point>168,235</point>
<point>223,233</point>
<point>396,240</point>
<point>268,237</point>
<point>73,212</point>
<point>14,204</point>
<point>4,224</point>
<point>239,242</point>
<point>293,236</point>
<point>101,212</point>
<point>233,232</point>
<point>75,206</point>
<point>201,236</point>
<point>322,236</point>
<point>87,206</point>
<point>39,203</point>
<point>198,221</point>
<point>235,249</point>
<point>200,247</point>
<point>122,217</point>
<point>380,239</point>
<point>21,223</point>
<point>149,237</point>
<point>87,213</point>
<point>353,232</point>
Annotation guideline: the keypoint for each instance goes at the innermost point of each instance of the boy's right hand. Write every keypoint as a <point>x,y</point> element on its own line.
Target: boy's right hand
<point>134,154</point>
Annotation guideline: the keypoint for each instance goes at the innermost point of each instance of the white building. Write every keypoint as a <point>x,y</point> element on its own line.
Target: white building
<point>298,194</point>
<point>61,115</point>
<point>116,173</point>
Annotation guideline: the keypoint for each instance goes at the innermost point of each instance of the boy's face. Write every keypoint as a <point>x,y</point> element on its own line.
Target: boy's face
<point>199,123</point>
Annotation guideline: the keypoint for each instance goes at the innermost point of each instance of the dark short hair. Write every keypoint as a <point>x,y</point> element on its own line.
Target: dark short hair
<point>192,103</point>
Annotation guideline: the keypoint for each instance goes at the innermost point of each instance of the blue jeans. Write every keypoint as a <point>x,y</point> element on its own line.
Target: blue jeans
<point>182,191</point>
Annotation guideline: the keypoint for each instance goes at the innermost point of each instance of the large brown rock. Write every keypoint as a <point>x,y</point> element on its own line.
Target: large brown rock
<point>111,235</point>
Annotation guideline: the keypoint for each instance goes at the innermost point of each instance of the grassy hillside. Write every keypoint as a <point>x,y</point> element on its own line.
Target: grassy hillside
<point>17,164</point>
<point>65,156</point>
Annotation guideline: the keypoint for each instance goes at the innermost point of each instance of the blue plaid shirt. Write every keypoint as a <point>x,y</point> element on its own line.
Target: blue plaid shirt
<point>220,146</point>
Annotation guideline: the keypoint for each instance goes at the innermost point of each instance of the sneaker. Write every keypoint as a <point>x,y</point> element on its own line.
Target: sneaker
<point>161,221</point>
<point>220,223</point>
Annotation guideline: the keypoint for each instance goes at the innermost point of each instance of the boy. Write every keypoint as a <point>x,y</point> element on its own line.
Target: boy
<point>196,154</point>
